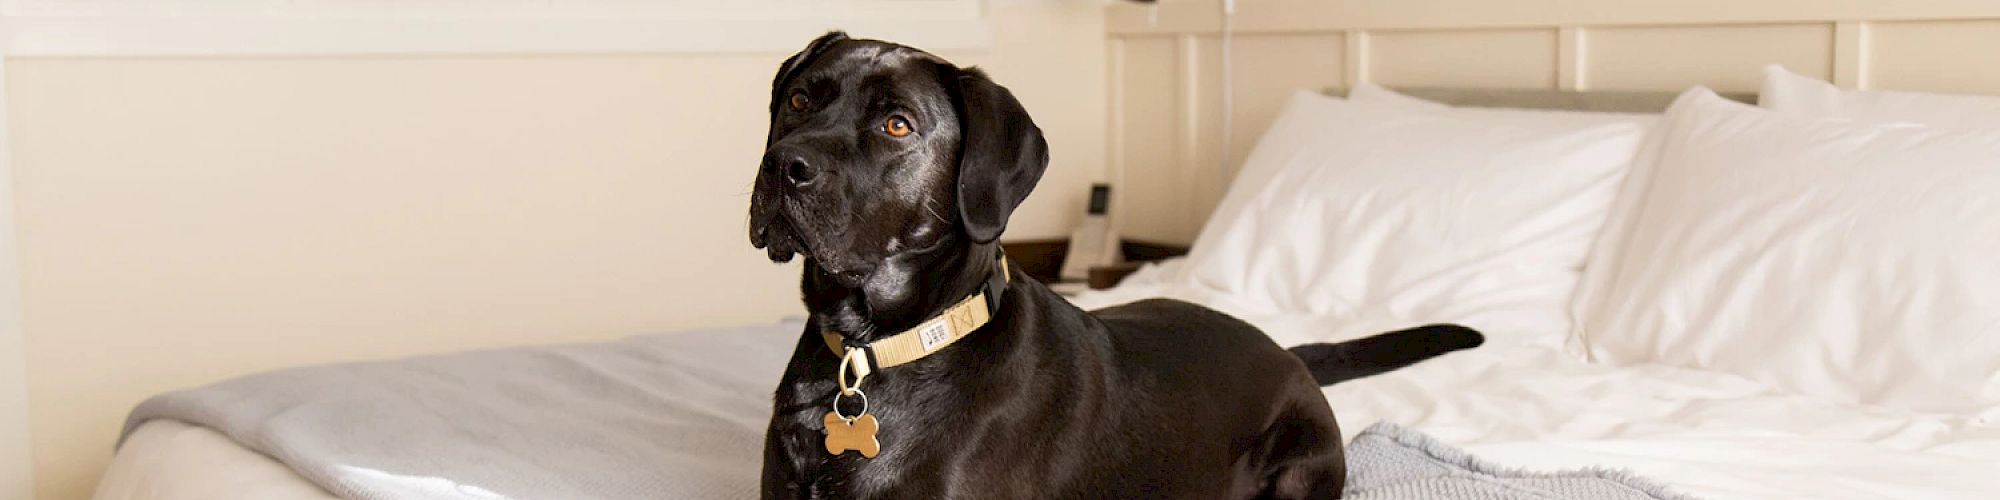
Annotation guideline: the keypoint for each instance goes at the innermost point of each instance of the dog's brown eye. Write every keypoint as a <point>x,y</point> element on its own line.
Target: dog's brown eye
<point>897,126</point>
<point>799,101</point>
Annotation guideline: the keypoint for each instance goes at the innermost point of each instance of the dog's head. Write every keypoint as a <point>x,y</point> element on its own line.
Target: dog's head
<point>878,151</point>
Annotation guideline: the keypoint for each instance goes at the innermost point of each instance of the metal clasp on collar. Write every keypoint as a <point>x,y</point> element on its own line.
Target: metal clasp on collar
<point>856,360</point>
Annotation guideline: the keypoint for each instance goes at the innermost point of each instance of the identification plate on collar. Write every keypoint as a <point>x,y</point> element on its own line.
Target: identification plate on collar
<point>858,435</point>
<point>934,335</point>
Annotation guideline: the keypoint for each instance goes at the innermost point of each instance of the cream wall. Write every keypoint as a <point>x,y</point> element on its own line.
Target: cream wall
<point>183,220</point>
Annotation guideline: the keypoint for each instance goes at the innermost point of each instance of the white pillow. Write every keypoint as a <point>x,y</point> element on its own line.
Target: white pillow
<point>1792,93</point>
<point>1830,257</point>
<point>1350,210</point>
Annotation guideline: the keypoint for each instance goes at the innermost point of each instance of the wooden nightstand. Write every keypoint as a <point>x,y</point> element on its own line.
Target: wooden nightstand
<point>1043,259</point>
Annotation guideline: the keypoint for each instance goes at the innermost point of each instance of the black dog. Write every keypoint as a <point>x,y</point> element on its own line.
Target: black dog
<point>893,172</point>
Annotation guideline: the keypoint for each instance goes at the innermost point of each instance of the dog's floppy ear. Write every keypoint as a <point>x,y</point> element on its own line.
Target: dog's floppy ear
<point>797,62</point>
<point>1001,154</point>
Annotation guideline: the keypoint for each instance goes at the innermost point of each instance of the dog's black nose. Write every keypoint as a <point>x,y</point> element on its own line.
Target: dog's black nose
<point>799,171</point>
<point>792,164</point>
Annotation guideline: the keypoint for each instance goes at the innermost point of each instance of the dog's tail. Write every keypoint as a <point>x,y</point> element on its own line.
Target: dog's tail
<point>1335,363</point>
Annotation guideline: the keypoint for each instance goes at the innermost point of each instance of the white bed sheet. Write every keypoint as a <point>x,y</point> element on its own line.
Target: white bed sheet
<point>1522,403</point>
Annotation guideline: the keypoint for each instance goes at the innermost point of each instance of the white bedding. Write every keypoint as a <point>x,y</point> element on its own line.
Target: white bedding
<point>1518,402</point>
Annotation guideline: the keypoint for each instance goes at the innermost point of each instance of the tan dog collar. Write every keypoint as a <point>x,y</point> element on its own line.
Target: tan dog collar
<point>954,323</point>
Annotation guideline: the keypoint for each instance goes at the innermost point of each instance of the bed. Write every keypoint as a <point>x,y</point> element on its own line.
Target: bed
<point>1707,434</point>
<point>1536,396</point>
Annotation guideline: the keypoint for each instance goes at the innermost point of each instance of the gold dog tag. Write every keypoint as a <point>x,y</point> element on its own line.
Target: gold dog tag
<point>858,435</point>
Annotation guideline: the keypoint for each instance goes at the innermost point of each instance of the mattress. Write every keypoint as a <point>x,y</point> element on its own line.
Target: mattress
<point>1518,401</point>
<point>170,460</point>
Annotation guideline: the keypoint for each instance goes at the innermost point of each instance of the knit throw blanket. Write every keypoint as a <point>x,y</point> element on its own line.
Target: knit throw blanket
<point>1386,462</point>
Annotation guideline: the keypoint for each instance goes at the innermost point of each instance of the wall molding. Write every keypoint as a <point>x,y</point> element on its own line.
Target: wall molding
<point>1284,16</point>
<point>101,28</point>
<point>16,463</point>
<point>168,36</point>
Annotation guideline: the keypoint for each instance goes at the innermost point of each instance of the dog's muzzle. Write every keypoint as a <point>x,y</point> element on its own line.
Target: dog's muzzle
<point>780,175</point>
<point>784,225</point>
<point>770,229</point>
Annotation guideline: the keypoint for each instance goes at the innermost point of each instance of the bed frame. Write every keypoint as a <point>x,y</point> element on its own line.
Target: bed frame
<point>1167,153</point>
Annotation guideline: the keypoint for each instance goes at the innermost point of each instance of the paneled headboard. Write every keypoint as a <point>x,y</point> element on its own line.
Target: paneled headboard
<point>1609,101</point>
<point>1170,167</point>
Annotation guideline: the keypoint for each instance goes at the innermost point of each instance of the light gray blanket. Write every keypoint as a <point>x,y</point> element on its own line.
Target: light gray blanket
<point>1386,462</point>
<point>665,416</point>
<point>662,416</point>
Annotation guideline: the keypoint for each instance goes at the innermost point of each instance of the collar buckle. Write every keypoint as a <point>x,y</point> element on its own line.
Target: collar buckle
<point>996,285</point>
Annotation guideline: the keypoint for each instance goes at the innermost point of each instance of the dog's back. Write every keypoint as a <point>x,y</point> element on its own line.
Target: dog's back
<point>1202,330</point>
<point>1197,372</point>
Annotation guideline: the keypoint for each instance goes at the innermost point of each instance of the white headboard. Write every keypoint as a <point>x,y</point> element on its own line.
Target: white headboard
<point>1166,154</point>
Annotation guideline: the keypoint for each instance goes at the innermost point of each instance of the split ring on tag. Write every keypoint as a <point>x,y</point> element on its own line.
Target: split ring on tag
<point>864,406</point>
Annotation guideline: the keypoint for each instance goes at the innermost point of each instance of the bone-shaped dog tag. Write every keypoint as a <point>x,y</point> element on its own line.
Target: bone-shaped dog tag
<point>858,435</point>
